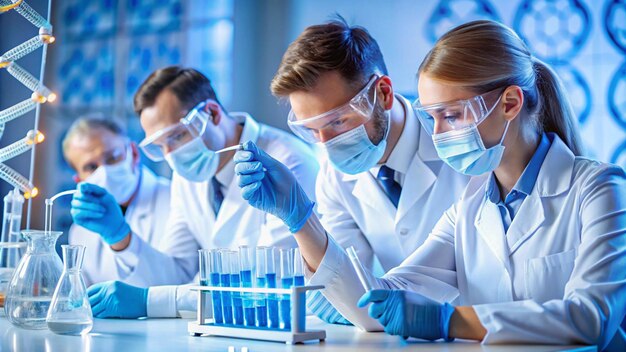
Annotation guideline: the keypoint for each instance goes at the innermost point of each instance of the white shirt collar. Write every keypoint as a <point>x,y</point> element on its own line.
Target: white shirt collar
<point>403,153</point>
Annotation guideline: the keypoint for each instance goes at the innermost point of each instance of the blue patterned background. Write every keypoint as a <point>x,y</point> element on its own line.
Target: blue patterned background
<point>110,46</point>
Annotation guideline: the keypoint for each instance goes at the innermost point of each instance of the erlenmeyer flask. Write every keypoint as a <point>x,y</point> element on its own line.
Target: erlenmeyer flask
<point>70,312</point>
<point>32,285</point>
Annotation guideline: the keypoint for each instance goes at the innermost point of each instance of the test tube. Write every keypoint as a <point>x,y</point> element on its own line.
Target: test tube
<point>358,267</point>
<point>298,268</point>
<point>286,279</point>
<point>261,282</point>
<point>235,281</point>
<point>246,262</point>
<point>272,298</point>
<point>214,274</point>
<point>204,261</point>
<point>227,303</point>
<point>209,276</point>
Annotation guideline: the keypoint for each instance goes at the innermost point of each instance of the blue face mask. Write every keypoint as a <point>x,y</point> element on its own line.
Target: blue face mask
<point>193,161</point>
<point>353,152</point>
<point>465,151</point>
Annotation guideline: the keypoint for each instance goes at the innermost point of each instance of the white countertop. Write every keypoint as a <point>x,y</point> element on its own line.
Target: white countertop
<point>171,335</point>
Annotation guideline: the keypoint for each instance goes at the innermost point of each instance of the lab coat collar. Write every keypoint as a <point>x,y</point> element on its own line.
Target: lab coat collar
<point>232,198</point>
<point>555,176</point>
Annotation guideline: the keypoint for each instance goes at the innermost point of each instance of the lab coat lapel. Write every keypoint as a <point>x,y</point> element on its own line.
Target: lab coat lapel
<point>233,202</point>
<point>418,180</point>
<point>488,223</point>
<point>370,193</point>
<point>524,226</point>
<point>553,179</point>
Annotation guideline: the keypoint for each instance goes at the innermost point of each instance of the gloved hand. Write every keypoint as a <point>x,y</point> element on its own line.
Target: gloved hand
<point>408,313</point>
<point>115,299</point>
<point>270,186</point>
<point>96,210</point>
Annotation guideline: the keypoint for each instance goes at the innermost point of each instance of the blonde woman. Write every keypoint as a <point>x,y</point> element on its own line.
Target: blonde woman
<point>534,251</point>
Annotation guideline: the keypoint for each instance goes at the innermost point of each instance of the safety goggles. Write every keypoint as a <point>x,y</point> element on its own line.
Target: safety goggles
<point>339,120</point>
<point>110,157</point>
<point>175,136</point>
<point>456,115</point>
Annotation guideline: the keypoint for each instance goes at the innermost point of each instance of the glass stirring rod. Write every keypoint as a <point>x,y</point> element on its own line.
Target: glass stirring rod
<point>227,149</point>
<point>358,267</point>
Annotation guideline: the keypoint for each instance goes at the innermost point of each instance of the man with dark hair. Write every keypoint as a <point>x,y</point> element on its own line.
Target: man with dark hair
<point>185,125</point>
<point>382,187</point>
<point>100,153</point>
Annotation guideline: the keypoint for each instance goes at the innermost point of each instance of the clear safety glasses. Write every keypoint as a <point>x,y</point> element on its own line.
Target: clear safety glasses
<point>339,120</point>
<point>456,115</point>
<point>173,137</point>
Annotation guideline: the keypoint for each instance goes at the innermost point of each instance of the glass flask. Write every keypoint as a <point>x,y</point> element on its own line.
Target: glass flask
<point>31,288</point>
<point>70,312</point>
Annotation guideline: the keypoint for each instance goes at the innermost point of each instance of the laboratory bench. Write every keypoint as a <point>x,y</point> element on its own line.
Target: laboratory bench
<point>171,335</point>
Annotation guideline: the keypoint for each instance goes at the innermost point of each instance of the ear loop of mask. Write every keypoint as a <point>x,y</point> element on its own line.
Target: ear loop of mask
<point>506,127</point>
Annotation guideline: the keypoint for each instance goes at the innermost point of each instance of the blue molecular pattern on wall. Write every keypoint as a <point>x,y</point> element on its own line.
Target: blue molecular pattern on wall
<point>113,45</point>
<point>615,23</point>
<point>450,13</point>
<point>555,30</point>
<point>617,96</point>
<point>87,70</point>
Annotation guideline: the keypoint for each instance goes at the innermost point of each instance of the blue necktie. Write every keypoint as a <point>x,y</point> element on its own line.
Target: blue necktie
<point>390,186</point>
<point>216,195</point>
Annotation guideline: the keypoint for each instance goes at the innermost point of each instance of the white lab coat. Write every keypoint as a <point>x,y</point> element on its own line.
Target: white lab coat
<point>146,215</point>
<point>192,224</point>
<point>556,277</point>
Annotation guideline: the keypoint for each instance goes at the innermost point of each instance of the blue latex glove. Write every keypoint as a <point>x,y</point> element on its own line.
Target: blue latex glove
<point>96,210</point>
<point>270,186</point>
<point>408,313</point>
<point>115,299</point>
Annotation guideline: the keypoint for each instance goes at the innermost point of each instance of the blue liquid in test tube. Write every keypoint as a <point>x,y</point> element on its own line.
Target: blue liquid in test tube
<point>246,262</point>
<point>298,268</point>
<point>216,268</point>
<point>209,276</point>
<point>286,274</point>
<point>261,282</point>
<point>235,281</point>
<point>227,303</point>
<point>272,298</point>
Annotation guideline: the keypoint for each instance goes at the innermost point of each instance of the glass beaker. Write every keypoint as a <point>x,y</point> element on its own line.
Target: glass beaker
<point>32,285</point>
<point>70,312</point>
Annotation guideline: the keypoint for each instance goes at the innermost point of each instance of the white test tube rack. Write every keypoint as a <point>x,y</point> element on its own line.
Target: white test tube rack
<point>297,334</point>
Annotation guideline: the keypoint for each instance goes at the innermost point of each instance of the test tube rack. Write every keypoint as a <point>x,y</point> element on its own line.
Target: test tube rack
<point>297,334</point>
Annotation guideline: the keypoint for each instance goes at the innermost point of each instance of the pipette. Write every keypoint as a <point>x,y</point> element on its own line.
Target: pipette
<point>60,194</point>
<point>49,202</point>
<point>227,149</point>
<point>360,271</point>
